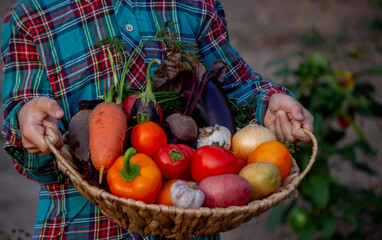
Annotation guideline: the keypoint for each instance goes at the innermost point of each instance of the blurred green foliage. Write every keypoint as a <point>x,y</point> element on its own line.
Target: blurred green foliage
<point>336,99</point>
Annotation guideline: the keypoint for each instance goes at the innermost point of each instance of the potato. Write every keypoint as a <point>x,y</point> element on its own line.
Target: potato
<point>225,190</point>
<point>264,178</point>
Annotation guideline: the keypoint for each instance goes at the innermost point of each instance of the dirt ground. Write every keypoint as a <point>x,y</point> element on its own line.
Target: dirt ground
<point>261,31</point>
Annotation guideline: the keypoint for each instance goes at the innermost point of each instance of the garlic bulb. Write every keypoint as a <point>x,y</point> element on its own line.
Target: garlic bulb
<point>186,194</point>
<point>214,135</point>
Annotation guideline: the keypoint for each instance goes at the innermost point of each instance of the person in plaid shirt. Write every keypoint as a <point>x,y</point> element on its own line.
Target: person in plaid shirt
<point>51,61</point>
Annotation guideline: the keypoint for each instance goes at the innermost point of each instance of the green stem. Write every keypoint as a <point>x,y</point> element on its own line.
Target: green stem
<point>113,68</point>
<point>166,94</point>
<point>175,155</point>
<point>149,87</point>
<point>167,100</point>
<point>142,117</point>
<point>148,94</point>
<point>110,94</point>
<point>160,35</point>
<point>130,170</point>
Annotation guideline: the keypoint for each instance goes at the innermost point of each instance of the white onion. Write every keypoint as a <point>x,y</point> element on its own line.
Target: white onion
<point>214,135</point>
<point>249,138</point>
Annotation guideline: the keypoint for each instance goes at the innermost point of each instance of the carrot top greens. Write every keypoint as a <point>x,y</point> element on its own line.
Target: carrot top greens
<point>115,92</point>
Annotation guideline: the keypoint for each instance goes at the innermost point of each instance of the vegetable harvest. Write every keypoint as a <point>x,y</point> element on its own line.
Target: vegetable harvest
<point>165,161</point>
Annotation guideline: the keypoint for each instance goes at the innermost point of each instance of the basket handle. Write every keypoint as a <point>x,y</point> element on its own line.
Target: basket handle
<point>57,153</point>
<point>312,157</point>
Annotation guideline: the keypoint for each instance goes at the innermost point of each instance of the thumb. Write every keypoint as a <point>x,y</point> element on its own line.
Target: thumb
<point>51,107</point>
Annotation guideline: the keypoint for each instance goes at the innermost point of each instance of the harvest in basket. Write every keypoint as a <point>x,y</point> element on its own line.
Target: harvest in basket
<point>169,159</point>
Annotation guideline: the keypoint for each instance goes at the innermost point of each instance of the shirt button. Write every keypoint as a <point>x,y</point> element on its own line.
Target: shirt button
<point>129,28</point>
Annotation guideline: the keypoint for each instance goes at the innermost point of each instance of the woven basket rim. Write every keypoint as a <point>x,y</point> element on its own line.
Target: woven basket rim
<point>254,208</point>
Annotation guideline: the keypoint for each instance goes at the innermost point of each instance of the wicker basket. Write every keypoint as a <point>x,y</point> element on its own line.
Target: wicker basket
<point>175,222</point>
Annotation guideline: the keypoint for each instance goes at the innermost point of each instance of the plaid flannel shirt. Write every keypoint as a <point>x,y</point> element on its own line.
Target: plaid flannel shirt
<point>49,48</point>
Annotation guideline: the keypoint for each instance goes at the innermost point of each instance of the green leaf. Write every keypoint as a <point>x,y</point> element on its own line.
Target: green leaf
<point>350,211</point>
<point>327,148</point>
<point>328,226</point>
<point>318,61</point>
<point>365,147</point>
<point>308,232</point>
<point>317,188</point>
<point>375,69</point>
<point>298,218</point>
<point>348,153</point>
<point>319,120</point>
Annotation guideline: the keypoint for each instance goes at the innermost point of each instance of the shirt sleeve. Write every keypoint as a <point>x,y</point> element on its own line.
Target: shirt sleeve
<point>24,79</point>
<point>241,80</point>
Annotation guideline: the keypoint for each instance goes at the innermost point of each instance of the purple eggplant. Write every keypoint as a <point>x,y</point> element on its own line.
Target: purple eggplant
<point>140,110</point>
<point>213,108</point>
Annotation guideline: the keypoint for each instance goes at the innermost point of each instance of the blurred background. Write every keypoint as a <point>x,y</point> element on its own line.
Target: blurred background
<point>329,53</point>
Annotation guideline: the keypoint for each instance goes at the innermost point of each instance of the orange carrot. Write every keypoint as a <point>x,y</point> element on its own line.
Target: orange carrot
<point>107,131</point>
<point>108,122</point>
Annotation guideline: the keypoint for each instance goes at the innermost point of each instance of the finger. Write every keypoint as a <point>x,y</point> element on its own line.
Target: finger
<point>286,126</point>
<point>31,148</point>
<point>34,150</point>
<point>269,118</point>
<point>298,133</point>
<point>54,137</point>
<point>287,103</point>
<point>294,110</point>
<point>33,137</point>
<point>272,128</point>
<point>279,133</point>
<point>52,132</point>
<point>308,121</point>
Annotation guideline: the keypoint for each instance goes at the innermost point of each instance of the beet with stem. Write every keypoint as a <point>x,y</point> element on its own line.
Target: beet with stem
<point>78,138</point>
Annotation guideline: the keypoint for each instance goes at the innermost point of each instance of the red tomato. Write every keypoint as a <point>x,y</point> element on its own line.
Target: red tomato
<point>189,151</point>
<point>171,160</point>
<point>212,161</point>
<point>128,103</point>
<point>148,138</point>
<point>240,162</point>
